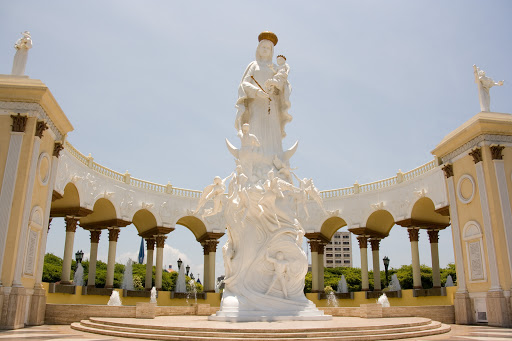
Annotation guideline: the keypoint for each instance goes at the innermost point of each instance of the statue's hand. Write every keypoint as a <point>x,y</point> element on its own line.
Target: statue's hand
<point>501,83</point>
<point>262,94</point>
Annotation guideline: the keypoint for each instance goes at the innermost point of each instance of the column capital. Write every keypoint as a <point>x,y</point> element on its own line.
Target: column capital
<point>57,147</point>
<point>448,170</point>
<point>19,123</point>
<point>113,234</point>
<point>150,243</point>
<point>375,244</point>
<point>70,223</point>
<point>363,242</point>
<point>476,153</point>
<point>41,126</point>
<point>433,236</point>
<point>414,234</point>
<point>95,236</point>
<point>160,241</point>
<point>209,245</point>
<point>496,152</point>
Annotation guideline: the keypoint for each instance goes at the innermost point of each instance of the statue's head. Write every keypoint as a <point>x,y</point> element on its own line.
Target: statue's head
<point>265,51</point>
<point>281,60</point>
<point>481,73</point>
<point>271,174</point>
<point>245,128</point>
<point>217,180</point>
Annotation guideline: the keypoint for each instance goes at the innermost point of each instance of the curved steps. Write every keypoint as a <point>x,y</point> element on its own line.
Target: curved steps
<point>154,330</point>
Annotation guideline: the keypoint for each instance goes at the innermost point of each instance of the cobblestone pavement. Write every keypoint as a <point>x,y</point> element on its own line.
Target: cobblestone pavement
<point>61,333</point>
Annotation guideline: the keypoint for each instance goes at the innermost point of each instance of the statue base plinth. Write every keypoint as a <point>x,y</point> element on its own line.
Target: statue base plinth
<point>269,316</point>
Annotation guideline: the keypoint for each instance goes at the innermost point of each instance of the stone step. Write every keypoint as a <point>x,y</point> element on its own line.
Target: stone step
<point>432,328</point>
<point>122,323</point>
<point>267,334</point>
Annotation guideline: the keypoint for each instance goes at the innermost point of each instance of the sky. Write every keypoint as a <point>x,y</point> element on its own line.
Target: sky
<point>150,87</point>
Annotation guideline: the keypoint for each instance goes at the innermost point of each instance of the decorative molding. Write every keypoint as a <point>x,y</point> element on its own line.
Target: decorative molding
<point>363,242</point>
<point>486,138</point>
<point>448,170</point>
<point>496,152</point>
<point>210,246</point>
<point>150,244</point>
<point>160,241</point>
<point>41,126</point>
<point>460,196</point>
<point>71,224</point>
<point>433,236</point>
<point>44,175</point>
<point>32,109</point>
<point>375,243</point>
<point>95,236</point>
<point>476,153</point>
<point>113,234</point>
<point>57,147</point>
<point>414,234</point>
<point>19,123</point>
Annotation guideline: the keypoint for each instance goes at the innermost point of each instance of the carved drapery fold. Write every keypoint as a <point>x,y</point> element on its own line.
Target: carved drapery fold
<point>19,123</point>
<point>414,235</point>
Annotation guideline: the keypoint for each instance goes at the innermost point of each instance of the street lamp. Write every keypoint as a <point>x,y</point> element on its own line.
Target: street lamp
<point>179,263</point>
<point>79,255</point>
<point>386,265</point>
<point>188,269</point>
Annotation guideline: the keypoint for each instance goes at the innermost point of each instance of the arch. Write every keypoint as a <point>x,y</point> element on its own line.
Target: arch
<point>144,220</point>
<point>37,216</point>
<point>381,222</point>
<point>194,224</point>
<point>70,198</point>
<point>475,256</point>
<point>103,215</point>
<point>331,225</point>
<point>424,214</point>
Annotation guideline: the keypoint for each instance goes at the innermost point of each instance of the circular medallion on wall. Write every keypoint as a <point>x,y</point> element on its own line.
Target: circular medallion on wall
<point>43,168</point>
<point>466,188</point>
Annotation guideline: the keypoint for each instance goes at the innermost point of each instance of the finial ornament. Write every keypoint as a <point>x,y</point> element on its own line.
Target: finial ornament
<point>267,35</point>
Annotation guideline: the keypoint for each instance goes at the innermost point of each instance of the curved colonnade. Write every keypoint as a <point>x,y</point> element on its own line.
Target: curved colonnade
<point>102,199</point>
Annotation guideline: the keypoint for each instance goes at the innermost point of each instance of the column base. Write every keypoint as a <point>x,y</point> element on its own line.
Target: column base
<point>109,286</point>
<point>65,283</point>
<point>37,308</point>
<point>367,289</point>
<point>498,312</point>
<point>463,309</point>
<point>417,287</point>
<point>13,310</point>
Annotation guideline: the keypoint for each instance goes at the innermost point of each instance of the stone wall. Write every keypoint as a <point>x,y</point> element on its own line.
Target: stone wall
<point>69,313</point>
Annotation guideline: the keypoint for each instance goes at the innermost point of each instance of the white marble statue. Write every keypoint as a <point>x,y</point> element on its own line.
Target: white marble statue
<point>20,58</point>
<point>215,192</point>
<point>263,256</point>
<point>484,84</point>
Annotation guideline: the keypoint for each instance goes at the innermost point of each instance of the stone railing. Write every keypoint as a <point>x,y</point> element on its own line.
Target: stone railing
<point>187,193</point>
<point>127,178</point>
<point>377,185</point>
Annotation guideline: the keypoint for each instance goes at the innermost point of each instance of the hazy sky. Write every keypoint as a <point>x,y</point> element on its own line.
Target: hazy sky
<point>150,87</point>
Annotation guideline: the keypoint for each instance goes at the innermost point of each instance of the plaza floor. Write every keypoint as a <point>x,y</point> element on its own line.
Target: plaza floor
<point>54,332</point>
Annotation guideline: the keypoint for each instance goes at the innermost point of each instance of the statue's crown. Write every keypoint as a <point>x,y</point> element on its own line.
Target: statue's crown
<point>267,35</point>
<point>281,56</point>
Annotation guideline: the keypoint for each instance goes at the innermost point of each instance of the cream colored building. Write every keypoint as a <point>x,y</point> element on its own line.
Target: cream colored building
<point>338,253</point>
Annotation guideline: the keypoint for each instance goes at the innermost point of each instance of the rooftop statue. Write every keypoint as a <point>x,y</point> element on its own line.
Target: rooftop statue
<point>484,84</point>
<point>20,58</point>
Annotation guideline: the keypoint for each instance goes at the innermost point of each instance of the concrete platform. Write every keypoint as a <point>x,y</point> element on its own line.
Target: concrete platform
<point>199,328</point>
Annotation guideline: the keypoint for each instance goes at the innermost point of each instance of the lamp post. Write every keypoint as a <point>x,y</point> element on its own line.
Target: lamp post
<point>179,263</point>
<point>386,265</point>
<point>79,255</point>
<point>188,269</point>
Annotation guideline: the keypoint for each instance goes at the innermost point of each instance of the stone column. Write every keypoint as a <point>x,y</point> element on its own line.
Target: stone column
<point>160,243</point>
<point>433,236</point>
<point>320,267</point>
<point>19,124</point>
<point>113,235</point>
<point>22,242</point>
<point>206,265</point>
<point>95,239</point>
<point>150,244</point>
<point>212,245</point>
<point>414,237</point>
<point>363,248</point>
<point>376,264</point>
<point>68,249</point>
<point>313,244</point>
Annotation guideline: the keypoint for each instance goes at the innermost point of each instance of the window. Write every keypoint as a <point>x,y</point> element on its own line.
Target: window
<point>337,236</point>
<point>337,243</point>
<point>346,255</point>
<point>328,255</point>
<point>338,261</point>
<point>337,249</point>
<point>329,261</point>
<point>338,255</point>
<point>346,261</point>
<point>328,249</point>
<point>346,249</point>
<point>346,237</point>
<point>346,243</point>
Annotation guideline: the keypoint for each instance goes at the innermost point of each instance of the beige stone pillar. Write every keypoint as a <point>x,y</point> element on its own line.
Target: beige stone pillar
<point>211,264</point>
<point>320,266</point>
<point>150,245</point>
<point>433,236</point>
<point>416,271</point>
<point>313,244</point>
<point>160,243</point>
<point>206,266</point>
<point>113,234</point>
<point>363,248</point>
<point>68,250</point>
<point>376,264</point>
<point>95,239</point>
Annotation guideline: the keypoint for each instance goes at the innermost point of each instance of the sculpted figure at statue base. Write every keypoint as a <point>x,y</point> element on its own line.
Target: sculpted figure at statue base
<point>264,261</point>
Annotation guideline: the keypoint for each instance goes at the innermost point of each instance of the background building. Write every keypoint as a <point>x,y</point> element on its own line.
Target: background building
<point>339,251</point>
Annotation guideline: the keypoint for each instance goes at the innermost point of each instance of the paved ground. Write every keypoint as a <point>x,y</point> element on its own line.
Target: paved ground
<point>61,333</point>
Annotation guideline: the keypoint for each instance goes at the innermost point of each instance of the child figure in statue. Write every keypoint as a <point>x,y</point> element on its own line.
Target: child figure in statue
<point>280,270</point>
<point>281,76</point>
<point>248,151</point>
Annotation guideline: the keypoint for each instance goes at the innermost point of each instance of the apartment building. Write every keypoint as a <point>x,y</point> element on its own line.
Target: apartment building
<point>339,251</point>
